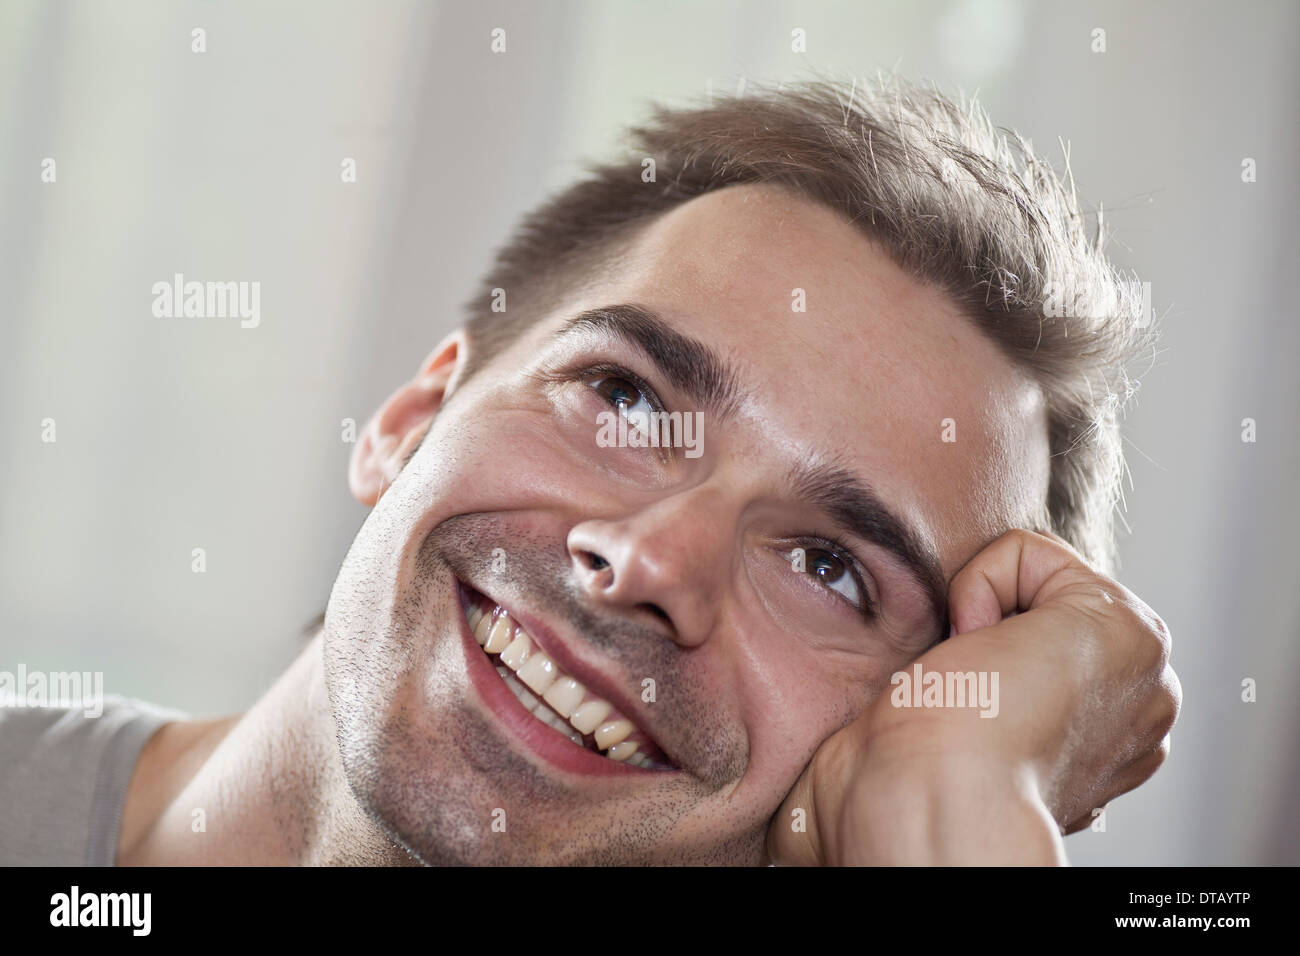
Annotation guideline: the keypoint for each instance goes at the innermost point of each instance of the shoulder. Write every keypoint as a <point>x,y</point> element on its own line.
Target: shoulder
<point>67,768</point>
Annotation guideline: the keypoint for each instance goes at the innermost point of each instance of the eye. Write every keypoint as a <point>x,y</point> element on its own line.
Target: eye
<point>835,572</point>
<point>625,395</point>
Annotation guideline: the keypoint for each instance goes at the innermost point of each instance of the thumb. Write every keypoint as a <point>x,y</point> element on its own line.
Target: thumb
<point>1019,571</point>
<point>792,834</point>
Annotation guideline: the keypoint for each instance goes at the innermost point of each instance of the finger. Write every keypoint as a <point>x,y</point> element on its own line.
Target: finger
<point>1011,574</point>
<point>1137,772</point>
<point>789,840</point>
<point>1058,539</point>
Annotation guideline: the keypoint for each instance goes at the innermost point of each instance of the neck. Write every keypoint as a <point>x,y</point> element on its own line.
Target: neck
<point>263,789</point>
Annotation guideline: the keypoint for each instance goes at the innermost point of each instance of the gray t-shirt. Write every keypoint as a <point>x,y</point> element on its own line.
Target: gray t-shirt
<point>63,779</point>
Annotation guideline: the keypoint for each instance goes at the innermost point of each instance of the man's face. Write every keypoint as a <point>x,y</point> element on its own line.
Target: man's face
<point>667,584</point>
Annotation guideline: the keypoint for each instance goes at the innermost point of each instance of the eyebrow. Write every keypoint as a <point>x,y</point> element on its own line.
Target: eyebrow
<point>711,382</point>
<point>854,506</point>
<point>692,367</point>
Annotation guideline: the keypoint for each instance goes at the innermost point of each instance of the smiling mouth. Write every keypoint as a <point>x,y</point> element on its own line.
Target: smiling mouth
<point>556,699</point>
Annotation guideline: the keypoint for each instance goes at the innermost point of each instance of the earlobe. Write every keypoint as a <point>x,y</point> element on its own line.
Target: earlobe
<point>398,425</point>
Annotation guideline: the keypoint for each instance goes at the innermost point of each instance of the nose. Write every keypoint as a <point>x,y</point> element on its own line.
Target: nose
<point>670,560</point>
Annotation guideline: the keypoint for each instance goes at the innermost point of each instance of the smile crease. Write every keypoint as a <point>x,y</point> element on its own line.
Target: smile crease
<point>553,697</point>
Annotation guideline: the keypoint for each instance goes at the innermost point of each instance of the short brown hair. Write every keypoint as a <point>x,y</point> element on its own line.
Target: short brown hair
<point>959,203</point>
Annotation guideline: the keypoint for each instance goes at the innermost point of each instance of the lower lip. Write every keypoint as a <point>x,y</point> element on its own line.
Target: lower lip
<point>543,741</point>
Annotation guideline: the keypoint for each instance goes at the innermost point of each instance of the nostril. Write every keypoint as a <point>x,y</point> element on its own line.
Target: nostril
<point>658,612</point>
<point>596,562</point>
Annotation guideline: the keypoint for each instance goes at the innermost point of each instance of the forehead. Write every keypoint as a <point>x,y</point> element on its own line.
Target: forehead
<point>876,370</point>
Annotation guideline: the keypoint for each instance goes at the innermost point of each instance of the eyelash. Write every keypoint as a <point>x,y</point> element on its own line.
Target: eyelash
<point>842,551</point>
<point>582,374</point>
<point>854,567</point>
<point>617,371</point>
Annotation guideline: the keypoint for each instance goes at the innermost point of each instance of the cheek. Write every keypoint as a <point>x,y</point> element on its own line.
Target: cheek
<point>490,456</point>
<point>794,696</point>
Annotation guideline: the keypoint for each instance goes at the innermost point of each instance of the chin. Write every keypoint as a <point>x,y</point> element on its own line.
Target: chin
<point>447,757</point>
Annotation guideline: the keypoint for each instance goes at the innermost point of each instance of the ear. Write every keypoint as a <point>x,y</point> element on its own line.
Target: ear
<point>397,426</point>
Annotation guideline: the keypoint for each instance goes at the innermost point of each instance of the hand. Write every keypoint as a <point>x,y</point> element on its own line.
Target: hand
<point>1086,702</point>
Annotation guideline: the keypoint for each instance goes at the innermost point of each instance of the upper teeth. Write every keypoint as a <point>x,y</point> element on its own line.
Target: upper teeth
<point>586,713</point>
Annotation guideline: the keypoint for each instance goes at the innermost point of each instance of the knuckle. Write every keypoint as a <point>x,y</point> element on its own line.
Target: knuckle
<point>1172,705</point>
<point>1155,650</point>
<point>1175,689</point>
<point>1160,629</point>
<point>1166,726</point>
<point>1152,634</point>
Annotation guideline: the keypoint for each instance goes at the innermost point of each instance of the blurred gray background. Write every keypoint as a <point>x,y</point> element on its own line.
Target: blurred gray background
<point>226,165</point>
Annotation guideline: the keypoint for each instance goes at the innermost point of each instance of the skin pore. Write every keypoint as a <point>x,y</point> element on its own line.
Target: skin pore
<point>378,746</point>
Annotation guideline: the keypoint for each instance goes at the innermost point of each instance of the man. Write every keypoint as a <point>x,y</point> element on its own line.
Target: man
<point>746,439</point>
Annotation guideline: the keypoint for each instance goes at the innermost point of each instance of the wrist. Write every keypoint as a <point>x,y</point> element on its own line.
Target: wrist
<point>918,806</point>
